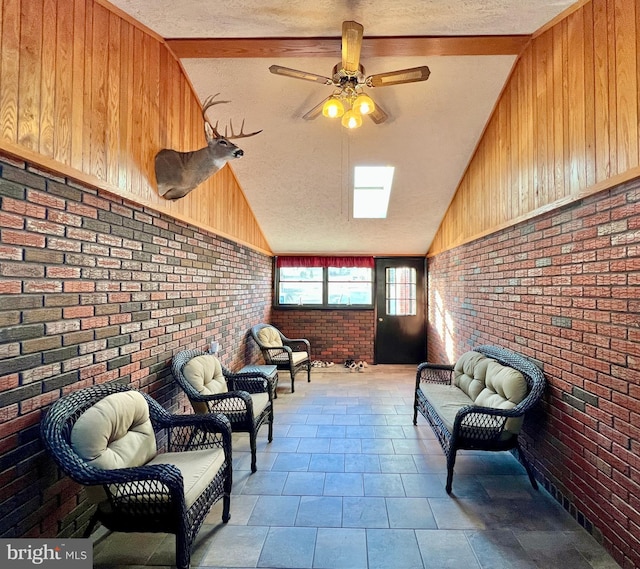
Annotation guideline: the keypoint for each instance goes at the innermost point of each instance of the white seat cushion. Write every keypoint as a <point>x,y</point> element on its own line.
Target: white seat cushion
<point>297,357</point>
<point>198,468</point>
<point>269,337</point>
<point>204,373</point>
<point>116,432</point>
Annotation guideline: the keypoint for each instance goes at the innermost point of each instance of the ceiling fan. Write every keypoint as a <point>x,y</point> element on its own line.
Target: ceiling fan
<point>348,99</point>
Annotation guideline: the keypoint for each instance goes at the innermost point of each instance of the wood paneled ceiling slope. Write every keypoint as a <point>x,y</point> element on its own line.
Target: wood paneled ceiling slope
<point>297,175</point>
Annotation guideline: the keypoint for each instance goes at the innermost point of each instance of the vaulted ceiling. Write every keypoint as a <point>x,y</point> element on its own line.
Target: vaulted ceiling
<point>297,174</point>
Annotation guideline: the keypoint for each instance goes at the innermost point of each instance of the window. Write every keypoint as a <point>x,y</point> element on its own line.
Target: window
<point>300,285</point>
<point>401,289</point>
<point>324,287</point>
<point>349,286</point>
<point>371,191</point>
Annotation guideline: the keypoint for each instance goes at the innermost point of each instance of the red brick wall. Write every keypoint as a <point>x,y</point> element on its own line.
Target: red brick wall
<point>334,335</point>
<point>94,289</point>
<point>563,289</point>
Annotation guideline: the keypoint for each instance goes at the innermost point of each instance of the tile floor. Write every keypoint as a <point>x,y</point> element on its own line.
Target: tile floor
<point>349,482</point>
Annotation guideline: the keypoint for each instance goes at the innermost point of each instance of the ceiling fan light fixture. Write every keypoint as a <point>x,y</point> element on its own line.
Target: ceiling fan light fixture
<point>352,119</point>
<point>333,108</point>
<point>363,104</point>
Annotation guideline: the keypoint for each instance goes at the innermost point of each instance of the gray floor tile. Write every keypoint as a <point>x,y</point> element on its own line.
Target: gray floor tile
<point>410,513</point>
<point>235,546</point>
<point>314,445</point>
<point>341,548</point>
<point>499,549</point>
<point>241,508</point>
<point>291,461</point>
<point>288,548</point>
<point>361,462</point>
<point>397,548</point>
<point>304,484</point>
<point>376,446</point>
<point>446,550</point>
<point>319,511</point>
<point>455,514</point>
<point>402,463</point>
<point>302,431</point>
<point>275,511</point>
<point>383,484</point>
<point>361,431</point>
<point>265,483</point>
<point>343,446</point>
<point>364,512</point>
<point>322,419</point>
<point>343,484</point>
<point>331,431</point>
<point>423,485</point>
<point>327,462</point>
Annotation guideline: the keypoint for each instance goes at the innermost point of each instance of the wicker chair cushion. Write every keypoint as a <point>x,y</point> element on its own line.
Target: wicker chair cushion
<point>490,384</point>
<point>204,373</point>
<point>469,373</point>
<point>269,337</point>
<point>198,467</point>
<point>447,400</point>
<point>116,432</point>
<point>297,357</point>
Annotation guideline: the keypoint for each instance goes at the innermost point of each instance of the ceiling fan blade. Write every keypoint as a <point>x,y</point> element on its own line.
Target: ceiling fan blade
<point>378,115</point>
<point>286,72</point>
<point>351,44</point>
<point>316,111</point>
<point>411,75</point>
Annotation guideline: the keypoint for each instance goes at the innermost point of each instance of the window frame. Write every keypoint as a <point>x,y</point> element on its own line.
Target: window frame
<point>325,305</point>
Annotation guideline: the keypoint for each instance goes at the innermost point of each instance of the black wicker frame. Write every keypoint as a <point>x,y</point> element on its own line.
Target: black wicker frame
<point>273,356</point>
<point>145,498</point>
<point>236,404</point>
<point>475,427</point>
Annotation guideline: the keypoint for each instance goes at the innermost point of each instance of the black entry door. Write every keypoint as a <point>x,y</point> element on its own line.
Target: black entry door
<point>400,310</point>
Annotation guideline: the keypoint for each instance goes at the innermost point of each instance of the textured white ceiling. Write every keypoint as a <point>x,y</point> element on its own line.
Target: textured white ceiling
<point>297,174</point>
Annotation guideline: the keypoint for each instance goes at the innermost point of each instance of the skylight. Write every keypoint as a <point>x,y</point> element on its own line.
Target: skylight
<point>371,191</point>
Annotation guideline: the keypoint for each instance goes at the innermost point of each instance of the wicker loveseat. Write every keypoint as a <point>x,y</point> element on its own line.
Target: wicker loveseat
<point>479,402</point>
<point>146,470</point>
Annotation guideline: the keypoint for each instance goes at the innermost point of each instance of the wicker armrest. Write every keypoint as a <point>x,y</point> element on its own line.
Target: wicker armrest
<point>298,344</point>
<point>141,481</point>
<point>195,432</point>
<point>482,423</point>
<point>434,373</point>
<point>252,382</point>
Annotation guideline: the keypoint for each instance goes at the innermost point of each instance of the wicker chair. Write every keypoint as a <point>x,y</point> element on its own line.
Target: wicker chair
<point>246,399</point>
<point>476,427</point>
<point>145,469</point>
<point>285,353</point>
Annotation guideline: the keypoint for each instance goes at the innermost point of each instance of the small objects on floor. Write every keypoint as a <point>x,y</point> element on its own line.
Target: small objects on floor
<point>353,365</point>
<point>320,363</point>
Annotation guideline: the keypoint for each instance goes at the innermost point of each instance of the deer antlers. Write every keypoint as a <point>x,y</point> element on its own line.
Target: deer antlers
<point>208,103</point>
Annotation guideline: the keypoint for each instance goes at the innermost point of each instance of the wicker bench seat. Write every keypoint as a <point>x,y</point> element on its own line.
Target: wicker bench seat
<point>479,402</point>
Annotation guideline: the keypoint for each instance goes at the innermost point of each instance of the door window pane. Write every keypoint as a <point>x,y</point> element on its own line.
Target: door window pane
<point>400,291</point>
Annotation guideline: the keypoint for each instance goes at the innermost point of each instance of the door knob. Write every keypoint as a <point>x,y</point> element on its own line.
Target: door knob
<point>380,319</point>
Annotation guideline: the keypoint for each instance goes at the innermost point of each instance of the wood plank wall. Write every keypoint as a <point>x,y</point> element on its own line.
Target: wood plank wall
<point>93,96</point>
<point>566,125</point>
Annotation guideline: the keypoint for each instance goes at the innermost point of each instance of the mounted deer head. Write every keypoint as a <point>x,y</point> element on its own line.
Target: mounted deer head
<point>177,173</point>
